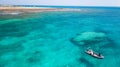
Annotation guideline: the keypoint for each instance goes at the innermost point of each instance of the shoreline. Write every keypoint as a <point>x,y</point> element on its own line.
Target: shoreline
<point>33,9</point>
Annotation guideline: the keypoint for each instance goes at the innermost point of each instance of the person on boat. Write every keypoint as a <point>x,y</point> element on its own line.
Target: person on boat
<point>99,54</point>
<point>90,51</point>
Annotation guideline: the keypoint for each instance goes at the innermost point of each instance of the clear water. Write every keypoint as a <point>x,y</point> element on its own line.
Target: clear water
<point>44,39</point>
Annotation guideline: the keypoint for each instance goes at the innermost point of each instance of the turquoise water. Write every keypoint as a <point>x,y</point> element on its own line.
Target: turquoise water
<point>44,39</point>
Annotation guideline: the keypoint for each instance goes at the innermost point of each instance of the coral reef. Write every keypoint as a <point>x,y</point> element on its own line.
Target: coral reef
<point>91,39</point>
<point>86,37</point>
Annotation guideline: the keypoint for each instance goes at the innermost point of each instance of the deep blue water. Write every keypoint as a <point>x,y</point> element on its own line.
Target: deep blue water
<point>44,39</point>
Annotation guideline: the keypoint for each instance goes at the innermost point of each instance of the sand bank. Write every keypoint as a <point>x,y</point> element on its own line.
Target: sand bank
<point>34,9</point>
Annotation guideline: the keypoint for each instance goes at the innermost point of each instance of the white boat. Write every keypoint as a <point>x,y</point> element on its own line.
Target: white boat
<point>94,54</point>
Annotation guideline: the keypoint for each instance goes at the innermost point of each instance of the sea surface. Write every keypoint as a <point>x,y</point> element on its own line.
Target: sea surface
<point>44,39</point>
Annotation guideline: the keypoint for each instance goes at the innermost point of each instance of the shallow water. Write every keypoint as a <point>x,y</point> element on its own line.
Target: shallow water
<point>44,39</point>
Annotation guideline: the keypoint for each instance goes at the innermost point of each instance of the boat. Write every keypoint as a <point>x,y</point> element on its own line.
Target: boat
<point>94,54</point>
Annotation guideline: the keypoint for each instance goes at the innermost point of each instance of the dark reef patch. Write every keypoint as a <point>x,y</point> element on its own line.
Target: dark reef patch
<point>35,57</point>
<point>20,28</point>
<point>86,62</point>
<point>16,47</point>
<point>12,29</point>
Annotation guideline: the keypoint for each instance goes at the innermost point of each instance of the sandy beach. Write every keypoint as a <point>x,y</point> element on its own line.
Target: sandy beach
<point>22,10</point>
<point>25,9</point>
<point>34,9</point>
